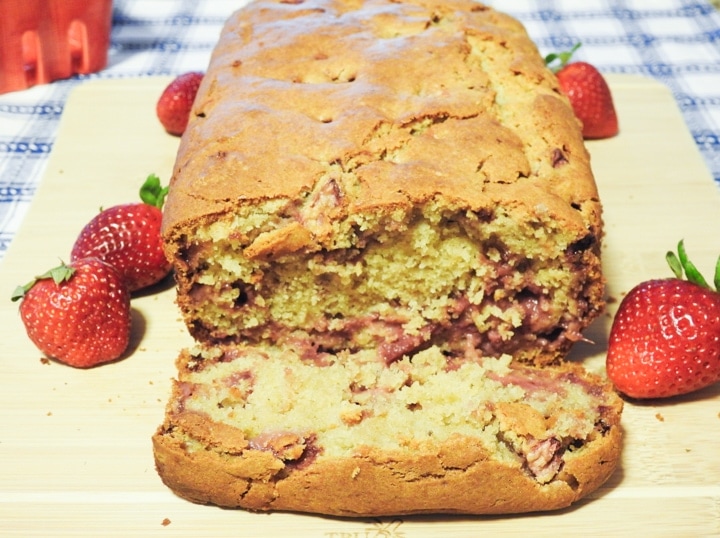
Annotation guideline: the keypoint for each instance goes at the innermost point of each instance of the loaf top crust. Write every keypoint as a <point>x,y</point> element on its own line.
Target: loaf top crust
<point>401,103</point>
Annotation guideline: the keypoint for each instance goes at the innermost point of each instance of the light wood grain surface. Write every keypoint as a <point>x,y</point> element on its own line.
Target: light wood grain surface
<point>75,453</point>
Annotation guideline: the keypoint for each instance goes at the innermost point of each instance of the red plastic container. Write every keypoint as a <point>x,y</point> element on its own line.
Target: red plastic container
<point>46,40</point>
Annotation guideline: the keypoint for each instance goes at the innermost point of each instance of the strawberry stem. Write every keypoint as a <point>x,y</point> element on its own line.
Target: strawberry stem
<point>562,57</point>
<point>152,192</point>
<point>59,274</point>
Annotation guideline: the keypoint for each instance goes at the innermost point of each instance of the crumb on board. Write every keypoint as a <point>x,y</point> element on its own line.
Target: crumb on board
<point>660,417</point>
<point>165,522</point>
<point>44,360</point>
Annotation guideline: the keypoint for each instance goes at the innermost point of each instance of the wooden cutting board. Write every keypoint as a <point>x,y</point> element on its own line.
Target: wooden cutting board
<point>75,453</point>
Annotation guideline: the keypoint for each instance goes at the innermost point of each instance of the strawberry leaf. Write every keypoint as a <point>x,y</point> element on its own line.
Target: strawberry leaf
<point>691,272</point>
<point>152,192</point>
<point>674,263</point>
<point>562,57</point>
<point>59,274</point>
<point>19,292</point>
<point>680,263</point>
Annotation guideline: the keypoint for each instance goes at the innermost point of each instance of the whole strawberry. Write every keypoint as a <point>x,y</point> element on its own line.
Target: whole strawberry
<point>128,237</point>
<point>78,314</point>
<point>665,337</point>
<point>589,95</point>
<point>175,103</point>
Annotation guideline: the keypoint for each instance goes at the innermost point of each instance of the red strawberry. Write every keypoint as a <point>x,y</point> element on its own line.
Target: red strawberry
<point>665,337</point>
<point>173,107</point>
<point>78,314</point>
<point>128,237</point>
<point>589,95</point>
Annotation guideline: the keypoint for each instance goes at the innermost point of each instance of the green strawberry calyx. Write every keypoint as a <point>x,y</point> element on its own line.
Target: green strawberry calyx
<point>61,273</point>
<point>681,265</point>
<point>557,60</point>
<point>152,192</point>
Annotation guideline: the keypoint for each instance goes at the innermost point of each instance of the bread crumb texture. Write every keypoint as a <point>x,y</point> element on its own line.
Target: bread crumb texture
<point>357,400</point>
<point>273,419</point>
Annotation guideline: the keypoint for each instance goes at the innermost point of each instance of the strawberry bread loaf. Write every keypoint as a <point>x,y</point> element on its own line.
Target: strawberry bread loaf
<point>386,237</point>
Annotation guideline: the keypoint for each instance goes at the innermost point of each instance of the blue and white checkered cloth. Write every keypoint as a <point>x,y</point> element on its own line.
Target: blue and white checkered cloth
<point>675,41</point>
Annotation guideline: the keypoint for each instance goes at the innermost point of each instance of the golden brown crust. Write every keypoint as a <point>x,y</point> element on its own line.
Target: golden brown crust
<point>484,125</point>
<point>408,486</point>
<point>457,476</point>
